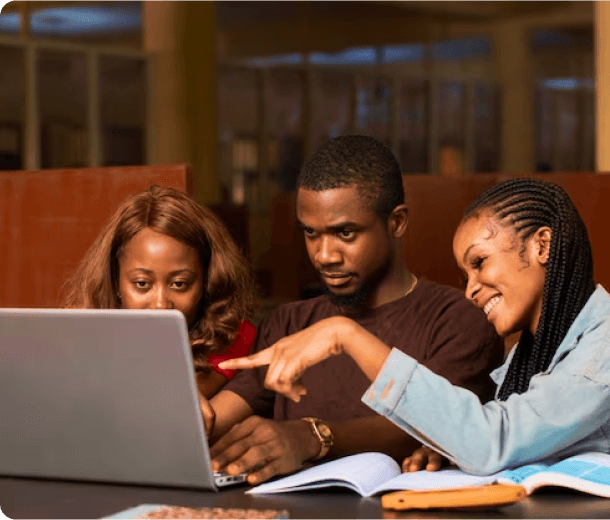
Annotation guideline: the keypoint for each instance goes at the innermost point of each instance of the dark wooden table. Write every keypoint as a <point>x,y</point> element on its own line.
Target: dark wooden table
<point>30,498</point>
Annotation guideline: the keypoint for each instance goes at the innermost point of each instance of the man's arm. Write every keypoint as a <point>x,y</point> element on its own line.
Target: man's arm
<point>374,433</point>
<point>266,448</point>
<point>211,383</point>
<point>230,409</point>
<point>289,357</point>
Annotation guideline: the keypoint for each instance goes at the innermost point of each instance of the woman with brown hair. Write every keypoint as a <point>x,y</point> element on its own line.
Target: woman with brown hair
<point>161,250</point>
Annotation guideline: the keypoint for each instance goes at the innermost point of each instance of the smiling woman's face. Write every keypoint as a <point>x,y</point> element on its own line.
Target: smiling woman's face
<point>157,271</point>
<point>505,275</point>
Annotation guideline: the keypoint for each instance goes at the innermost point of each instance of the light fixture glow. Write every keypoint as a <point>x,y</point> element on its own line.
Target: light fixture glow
<point>80,20</point>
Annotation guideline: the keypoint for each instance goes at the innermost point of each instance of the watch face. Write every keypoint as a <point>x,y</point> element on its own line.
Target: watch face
<point>324,430</point>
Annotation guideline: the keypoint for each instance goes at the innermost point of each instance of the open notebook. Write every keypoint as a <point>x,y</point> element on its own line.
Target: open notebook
<point>102,395</point>
<point>374,473</point>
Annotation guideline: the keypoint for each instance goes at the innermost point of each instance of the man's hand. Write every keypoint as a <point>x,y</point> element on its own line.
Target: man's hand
<point>264,448</point>
<point>423,458</point>
<point>292,355</point>
<point>209,416</point>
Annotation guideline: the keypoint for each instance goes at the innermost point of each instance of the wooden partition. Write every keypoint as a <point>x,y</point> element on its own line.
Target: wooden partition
<point>436,205</point>
<point>49,218</point>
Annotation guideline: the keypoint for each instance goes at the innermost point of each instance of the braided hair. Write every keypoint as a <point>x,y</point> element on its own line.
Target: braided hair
<point>527,205</point>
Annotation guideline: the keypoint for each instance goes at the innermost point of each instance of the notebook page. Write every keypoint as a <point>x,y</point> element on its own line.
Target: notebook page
<point>363,473</point>
<point>443,479</point>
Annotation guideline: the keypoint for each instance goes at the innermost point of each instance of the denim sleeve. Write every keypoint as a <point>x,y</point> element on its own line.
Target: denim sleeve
<point>559,409</point>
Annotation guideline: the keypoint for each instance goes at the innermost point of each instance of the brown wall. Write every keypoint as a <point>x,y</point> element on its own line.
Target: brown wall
<point>49,218</point>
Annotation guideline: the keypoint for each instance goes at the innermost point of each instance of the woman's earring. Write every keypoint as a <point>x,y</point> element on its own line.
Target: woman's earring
<point>118,295</point>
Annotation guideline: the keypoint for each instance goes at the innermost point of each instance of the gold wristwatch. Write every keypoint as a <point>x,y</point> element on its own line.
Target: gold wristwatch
<point>322,432</point>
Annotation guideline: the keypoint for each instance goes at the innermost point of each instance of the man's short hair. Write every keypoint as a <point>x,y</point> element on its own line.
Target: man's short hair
<point>356,161</point>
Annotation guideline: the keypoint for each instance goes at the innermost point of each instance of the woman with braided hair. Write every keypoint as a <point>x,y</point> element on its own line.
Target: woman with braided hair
<point>527,259</point>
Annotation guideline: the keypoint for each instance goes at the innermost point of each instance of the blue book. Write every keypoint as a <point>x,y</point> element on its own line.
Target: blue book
<point>588,472</point>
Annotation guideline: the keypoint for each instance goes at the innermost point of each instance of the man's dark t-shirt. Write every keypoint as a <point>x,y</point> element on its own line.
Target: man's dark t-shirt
<point>434,324</point>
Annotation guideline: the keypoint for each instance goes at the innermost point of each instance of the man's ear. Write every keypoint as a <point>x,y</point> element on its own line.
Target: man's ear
<point>542,240</point>
<point>398,221</point>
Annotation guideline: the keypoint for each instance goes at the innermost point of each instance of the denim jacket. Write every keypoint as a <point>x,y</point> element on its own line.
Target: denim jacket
<point>566,409</point>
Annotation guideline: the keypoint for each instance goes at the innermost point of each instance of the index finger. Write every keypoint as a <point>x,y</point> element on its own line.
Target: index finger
<point>255,360</point>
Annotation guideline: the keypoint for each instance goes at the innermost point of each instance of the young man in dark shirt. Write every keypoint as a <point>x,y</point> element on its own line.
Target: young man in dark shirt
<point>350,205</point>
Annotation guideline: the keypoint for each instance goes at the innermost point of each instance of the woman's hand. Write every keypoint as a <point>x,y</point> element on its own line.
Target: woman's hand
<point>292,355</point>
<point>423,458</point>
<point>209,416</point>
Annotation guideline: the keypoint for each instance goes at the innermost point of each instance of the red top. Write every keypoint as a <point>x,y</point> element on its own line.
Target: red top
<point>243,343</point>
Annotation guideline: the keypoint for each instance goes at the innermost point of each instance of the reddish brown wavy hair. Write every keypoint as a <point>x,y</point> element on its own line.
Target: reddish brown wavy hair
<point>228,283</point>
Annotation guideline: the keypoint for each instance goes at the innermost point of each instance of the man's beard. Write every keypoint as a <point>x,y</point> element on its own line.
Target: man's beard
<point>352,301</point>
<point>357,300</point>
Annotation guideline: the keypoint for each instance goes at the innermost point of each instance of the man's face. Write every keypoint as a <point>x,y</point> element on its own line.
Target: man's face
<point>347,242</point>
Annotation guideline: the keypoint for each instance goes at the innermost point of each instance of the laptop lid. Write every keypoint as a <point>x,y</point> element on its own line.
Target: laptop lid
<point>106,395</point>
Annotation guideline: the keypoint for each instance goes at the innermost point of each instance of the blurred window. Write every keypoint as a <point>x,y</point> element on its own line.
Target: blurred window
<point>238,127</point>
<point>116,23</point>
<point>12,107</point>
<point>486,128</point>
<point>284,100</point>
<point>460,49</point>
<point>331,105</point>
<point>388,92</point>
<point>62,104</point>
<point>444,50</point>
<point>398,53</point>
<point>372,108</point>
<point>90,100</point>
<point>562,39</point>
<point>283,59</point>
<point>414,110</point>
<point>565,119</point>
<point>564,100</point>
<point>122,93</point>
<point>567,127</point>
<point>238,13</point>
<point>245,164</point>
<point>560,83</point>
<point>452,123</point>
<point>10,23</point>
<point>363,56</point>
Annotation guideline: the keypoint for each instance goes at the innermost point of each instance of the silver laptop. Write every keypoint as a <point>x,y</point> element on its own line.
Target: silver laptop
<point>103,395</point>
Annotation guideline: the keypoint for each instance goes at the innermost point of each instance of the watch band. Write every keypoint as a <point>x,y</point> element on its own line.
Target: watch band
<point>323,433</point>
